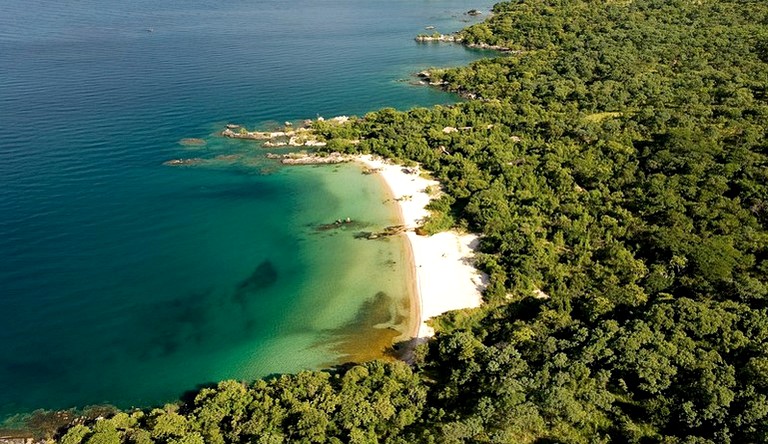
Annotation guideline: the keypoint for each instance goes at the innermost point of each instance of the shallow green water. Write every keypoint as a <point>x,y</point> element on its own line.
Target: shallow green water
<point>128,282</point>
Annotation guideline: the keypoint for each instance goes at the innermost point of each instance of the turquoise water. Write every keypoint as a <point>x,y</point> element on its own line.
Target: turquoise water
<point>129,282</point>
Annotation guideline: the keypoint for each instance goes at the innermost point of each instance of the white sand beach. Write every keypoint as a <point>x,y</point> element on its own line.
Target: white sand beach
<point>445,280</point>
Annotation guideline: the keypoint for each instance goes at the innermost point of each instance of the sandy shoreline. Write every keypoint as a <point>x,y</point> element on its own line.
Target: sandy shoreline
<point>444,278</point>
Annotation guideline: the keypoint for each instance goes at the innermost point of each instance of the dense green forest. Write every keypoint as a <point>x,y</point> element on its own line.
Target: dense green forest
<point>616,163</point>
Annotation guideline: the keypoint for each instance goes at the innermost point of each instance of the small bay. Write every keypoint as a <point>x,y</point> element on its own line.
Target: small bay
<point>128,282</point>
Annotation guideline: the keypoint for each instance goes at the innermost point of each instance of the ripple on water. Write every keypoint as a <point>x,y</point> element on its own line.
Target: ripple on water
<point>126,281</point>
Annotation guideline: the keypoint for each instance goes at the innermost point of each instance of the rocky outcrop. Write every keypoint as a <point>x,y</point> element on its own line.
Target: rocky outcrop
<point>391,230</point>
<point>453,38</point>
<point>242,133</point>
<point>304,141</point>
<point>10,440</point>
<point>493,48</point>
<point>310,159</point>
<point>371,170</point>
<point>456,38</point>
<point>339,223</point>
<point>192,142</point>
<point>426,77</point>
<point>16,440</point>
<point>288,137</point>
<point>184,162</point>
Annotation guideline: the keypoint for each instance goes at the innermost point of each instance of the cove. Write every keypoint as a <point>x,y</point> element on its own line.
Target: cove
<point>127,282</point>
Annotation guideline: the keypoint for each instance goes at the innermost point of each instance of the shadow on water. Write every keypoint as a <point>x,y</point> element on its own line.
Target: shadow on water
<point>264,276</point>
<point>25,370</point>
<point>195,319</point>
<point>171,325</point>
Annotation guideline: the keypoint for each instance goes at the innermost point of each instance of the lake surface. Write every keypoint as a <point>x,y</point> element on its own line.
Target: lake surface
<point>128,282</point>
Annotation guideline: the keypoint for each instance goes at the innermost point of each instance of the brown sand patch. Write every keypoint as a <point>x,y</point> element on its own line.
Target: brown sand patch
<point>380,322</point>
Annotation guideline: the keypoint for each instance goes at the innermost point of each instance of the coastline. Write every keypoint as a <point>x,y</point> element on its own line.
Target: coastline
<point>442,276</point>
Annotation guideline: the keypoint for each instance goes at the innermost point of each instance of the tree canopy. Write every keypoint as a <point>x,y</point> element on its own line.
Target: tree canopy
<point>615,162</point>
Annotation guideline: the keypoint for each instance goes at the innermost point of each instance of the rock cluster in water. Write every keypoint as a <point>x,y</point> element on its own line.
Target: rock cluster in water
<point>456,38</point>
<point>391,230</point>
<point>184,162</point>
<point>302,136</point>
<point>298,137</point>
<point>310,159</point>
<point>453,38</point>
<point>189,141</point>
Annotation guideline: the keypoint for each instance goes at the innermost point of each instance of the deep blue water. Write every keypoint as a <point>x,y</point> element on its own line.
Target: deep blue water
<point>129,282</point>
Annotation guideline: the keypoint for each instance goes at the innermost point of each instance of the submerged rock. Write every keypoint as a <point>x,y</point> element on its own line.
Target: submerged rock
<point>314,159</point>
<point>391,230</point>
<point>341,223</point>
<point>264,276</point>
<point>192,142</point>
<point>228,157</point>
<point>184,162</point>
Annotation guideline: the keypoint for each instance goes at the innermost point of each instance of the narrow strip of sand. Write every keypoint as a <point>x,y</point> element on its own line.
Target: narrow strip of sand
<point>445,279</point>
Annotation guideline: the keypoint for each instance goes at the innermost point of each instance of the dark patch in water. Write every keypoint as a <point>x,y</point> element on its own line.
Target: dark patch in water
<point>193,321</point>
<point>170,325</point>
<point>342,224</point>
<point>250,326</point>
<point>263,277</point>
<point>251,191</point>
<point>26,370</point>
<point>366,337</point>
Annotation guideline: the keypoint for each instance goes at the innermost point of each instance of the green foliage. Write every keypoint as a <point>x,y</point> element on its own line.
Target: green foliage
<point>440,218</point>
<point>75,434</point>
<point>373,402</point>
<point>615,163</point>
<point>104,432</point>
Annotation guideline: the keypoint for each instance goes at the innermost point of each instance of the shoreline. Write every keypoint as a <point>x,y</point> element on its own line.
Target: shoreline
<point>442,277</point>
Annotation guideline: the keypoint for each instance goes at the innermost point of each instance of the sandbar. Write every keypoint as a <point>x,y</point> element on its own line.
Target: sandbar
<point>444,277</point>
